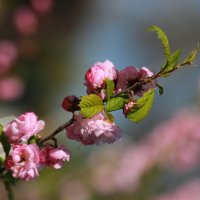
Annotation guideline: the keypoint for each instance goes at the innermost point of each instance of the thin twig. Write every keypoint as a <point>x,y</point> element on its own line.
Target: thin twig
<point>59,129</point>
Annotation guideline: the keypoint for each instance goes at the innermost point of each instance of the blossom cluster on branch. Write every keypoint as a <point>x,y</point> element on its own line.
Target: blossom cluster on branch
<point>130,90</point>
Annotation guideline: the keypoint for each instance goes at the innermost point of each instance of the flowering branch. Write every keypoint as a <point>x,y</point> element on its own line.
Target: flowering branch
<point>130,90</point>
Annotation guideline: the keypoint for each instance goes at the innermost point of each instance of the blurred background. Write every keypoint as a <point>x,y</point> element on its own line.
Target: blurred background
<point>46,46</point>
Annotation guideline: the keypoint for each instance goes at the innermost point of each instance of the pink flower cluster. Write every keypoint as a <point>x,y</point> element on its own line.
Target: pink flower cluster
<point>98,129</point>
<point>96,75</point>
<point>24,159</point>
<point>94,130</point>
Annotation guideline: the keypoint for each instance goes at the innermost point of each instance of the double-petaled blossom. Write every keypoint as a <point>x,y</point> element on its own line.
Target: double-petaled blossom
<point>24,127</point>
<point>23,161</point>
<point>131,75</point>
<point>54,157</point>
<point>96,75</point>
<point>94,130</point>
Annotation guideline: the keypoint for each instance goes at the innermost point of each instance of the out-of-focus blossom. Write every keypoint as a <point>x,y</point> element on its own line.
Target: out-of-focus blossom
<point>22,128</point>
<point>54,157</point>
<point>188,191</point>
<point>93,130</point>
<point>11,88</point>
<point>23,161</point>
<point>8,55</point>
<point>96,75</point>
<point>131,75</point>
<point>25,21</point>
<point>176,142</point>
<point>42,6</point>
<point>70,103</point>
<point>119,169</point>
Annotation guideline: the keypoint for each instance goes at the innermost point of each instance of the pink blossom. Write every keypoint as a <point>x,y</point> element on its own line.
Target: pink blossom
<point>94,130</point>
<point>8,55</point>
<point>22,128</point>
<point>131,75</point>
<point>42,6</point>
<point>23,161</point>
<point>11,88</point>
<point>96,75</point>
<point>54,157</point>
<point>25,21</point>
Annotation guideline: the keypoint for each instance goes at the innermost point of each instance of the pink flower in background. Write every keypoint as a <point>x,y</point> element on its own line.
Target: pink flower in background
<point>96,75</point>
<point>93,130</point>
<point>119,169</point>
<point>179,147</point>
<point>11,88</point>
<point>42,6</point>
<point>22,128</point>
<point>25,21</point>
<point>54,157</point>
<point>23,161</point>
<point>131,75</point>
<point>187,191</point>
<point>8,55</point>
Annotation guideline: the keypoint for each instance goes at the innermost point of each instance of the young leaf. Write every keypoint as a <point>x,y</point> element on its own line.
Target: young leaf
<point>162,36</point>
<point>161,90</point>
<point>91,105</point>
<point>191,57</point>
<point>144,104</point>
<point>4,142</point>
<point>171,63</point>
<point>115,104</point>
<point>110,87</point>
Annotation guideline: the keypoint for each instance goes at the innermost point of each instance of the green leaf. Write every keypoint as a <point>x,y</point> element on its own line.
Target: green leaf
<point>162,36</point>
<point>161,90</point>
<point>110,87</point>
<point>4,142</point>
<point>91,105</point>
<point>144,105</point>
<point>115,104</point>
<point>171,63</point>
<point>192,56</point>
